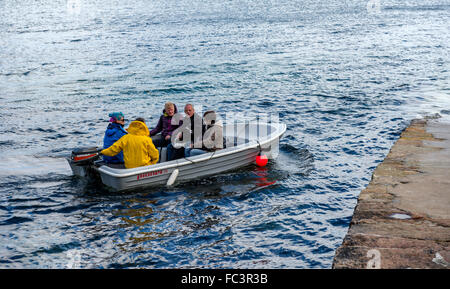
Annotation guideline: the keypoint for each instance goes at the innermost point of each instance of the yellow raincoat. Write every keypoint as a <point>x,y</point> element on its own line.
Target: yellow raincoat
<point>137,146</point>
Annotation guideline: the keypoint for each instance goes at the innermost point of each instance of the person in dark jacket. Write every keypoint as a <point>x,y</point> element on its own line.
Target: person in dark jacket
<point>164,126</point>
<point>113,133</point>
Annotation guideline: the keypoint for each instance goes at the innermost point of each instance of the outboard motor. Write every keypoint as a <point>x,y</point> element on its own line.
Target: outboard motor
<point>82,160</point>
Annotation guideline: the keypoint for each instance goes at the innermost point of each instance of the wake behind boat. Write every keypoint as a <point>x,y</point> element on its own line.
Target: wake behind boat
<point>244,142</point>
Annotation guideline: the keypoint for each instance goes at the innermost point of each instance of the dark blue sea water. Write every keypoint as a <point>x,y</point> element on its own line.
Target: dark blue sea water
<point>344,78</point>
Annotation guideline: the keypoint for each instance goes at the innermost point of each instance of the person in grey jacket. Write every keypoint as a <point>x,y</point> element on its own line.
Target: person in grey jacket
<point>212,138</point>
<point>191,130</point>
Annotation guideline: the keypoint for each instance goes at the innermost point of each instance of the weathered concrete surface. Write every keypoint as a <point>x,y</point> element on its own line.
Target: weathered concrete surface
<point>402,218</point>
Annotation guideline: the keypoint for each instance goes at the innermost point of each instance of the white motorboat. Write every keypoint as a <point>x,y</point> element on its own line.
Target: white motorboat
<point>244,142</point>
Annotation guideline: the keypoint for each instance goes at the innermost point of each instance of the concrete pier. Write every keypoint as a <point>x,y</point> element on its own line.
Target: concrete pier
<point>402,218</point>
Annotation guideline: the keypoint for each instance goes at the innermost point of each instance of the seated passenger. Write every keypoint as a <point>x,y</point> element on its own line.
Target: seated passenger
<point>164,126</point>
<point>193,132</point>
<point>137,146</point>
<point>212,138</point>
<point>113,133</point>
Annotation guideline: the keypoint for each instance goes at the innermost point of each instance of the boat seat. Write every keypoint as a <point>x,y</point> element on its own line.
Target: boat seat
<point>162,154</point>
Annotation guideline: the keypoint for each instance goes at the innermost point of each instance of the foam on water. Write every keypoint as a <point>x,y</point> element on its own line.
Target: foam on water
<point>31,165</point>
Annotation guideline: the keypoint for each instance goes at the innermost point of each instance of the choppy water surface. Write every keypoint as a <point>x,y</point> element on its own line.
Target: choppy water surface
<point>345,81</point>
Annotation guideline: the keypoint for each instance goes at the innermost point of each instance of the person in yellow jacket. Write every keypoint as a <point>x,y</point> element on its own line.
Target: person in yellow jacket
<point>137,146</point>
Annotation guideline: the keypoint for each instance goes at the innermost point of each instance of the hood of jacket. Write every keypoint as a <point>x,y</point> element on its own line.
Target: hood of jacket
<point>217,122</point>
<point>138,128</point>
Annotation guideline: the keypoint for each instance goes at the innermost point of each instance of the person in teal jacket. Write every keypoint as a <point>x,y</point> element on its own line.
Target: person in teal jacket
<point>113,133</point>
